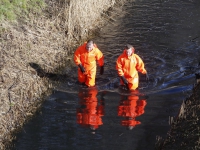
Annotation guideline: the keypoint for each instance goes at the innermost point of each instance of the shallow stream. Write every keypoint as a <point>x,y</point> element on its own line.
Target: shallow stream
<point>166,35</point>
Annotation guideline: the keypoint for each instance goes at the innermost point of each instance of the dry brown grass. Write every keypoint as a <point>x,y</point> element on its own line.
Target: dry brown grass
<point>184,130</point>
<point>47,39</point>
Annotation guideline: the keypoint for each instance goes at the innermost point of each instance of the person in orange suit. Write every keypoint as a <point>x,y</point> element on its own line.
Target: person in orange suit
<point>90,113</point>
<point>128,65</point>
<point>131,107</point>
<point>85,58</point>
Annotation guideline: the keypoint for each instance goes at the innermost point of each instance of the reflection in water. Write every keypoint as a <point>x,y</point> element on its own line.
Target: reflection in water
<point>130,107</point>
<point>90,113</point>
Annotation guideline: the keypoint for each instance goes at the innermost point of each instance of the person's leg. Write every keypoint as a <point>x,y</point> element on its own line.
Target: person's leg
<point>133,84</point>
<point>90,81</point>
<point>81,77</point>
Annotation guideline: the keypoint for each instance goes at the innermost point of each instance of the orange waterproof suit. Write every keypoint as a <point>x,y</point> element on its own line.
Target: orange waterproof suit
<point>130,107</point>
<point>129,67</point>
<point>88,61</point>
<point>90,113</point>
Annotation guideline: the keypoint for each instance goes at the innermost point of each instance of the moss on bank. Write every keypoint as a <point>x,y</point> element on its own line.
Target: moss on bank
<point>46,39</point>
<point>9,10</point>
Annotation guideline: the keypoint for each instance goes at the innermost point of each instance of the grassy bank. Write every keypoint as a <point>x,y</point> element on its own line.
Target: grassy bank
<point>9,10</point>
<point>44,33</point>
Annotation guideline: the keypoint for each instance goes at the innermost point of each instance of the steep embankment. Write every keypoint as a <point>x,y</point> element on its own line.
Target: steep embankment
<point>42,35</point>
<point>184,131</point>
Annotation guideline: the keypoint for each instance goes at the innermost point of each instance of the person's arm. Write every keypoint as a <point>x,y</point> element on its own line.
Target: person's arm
<point>140,67</point>
<point>119,68</point>
<point>100,60</point>
<point>77,59</point>
<point>125,81</point>
<point>77,56</point>
<point>99,57</point>
<point>81,68</point>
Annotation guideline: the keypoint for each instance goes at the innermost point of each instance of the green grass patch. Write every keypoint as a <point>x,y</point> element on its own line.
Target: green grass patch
<point>10,9</point>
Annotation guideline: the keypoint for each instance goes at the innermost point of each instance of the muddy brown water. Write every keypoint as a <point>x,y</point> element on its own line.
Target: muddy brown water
<point>166,34</point>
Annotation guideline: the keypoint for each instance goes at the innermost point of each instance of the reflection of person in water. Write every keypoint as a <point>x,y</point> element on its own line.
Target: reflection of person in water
<point>130,107</point>
<point>90,112</point>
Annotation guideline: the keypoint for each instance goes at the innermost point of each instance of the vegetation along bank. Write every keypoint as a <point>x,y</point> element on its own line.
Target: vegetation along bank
<point>37,34</point>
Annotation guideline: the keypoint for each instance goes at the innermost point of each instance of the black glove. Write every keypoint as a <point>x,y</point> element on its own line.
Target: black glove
<point>125,81</point>
<point>82,68</point>
<point>101,70</point>
<point>147,77</point>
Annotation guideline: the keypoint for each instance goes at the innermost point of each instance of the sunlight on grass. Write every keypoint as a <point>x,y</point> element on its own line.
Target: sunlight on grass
<point>9,10</point>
